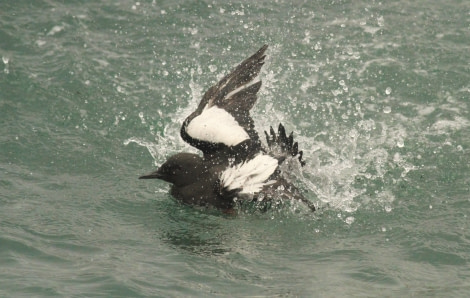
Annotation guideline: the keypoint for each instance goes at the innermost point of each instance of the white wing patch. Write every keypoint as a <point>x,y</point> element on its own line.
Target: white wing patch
<point>250,176</point>
<point>216,125</point>
<point>235,91</point>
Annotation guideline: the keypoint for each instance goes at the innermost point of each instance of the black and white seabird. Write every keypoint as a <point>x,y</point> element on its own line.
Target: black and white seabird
<point>235,165</point>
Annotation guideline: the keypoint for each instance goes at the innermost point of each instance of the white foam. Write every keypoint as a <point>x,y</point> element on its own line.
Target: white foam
<point>216,125</point>
<point>55,30</point>
<point>443,126</point>
<point>250,176</point>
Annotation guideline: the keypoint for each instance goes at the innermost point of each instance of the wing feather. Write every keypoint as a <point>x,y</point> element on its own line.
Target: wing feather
<point>228,102</point>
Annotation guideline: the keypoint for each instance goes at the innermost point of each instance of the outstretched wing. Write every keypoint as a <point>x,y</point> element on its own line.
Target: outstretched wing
<point>222,120</point>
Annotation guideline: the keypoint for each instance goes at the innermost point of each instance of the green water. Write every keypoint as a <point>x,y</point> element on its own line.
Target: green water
<point>93,93</point>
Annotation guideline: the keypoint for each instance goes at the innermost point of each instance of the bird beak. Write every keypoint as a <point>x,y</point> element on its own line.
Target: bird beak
<point>153,175</point>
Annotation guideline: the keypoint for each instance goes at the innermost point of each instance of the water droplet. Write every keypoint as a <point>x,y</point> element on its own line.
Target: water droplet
<point>396,157</point>
<point>388,208</point>
<point>387,110</point>
<point>384,229</point>
<point>141,116</point>
<point>388,90</point>
<point>349,220</point>
<point>430,206</point>
<point>353,133</point>
<point>212,68</point>
<point>380,21</point>
<point>400,143</point>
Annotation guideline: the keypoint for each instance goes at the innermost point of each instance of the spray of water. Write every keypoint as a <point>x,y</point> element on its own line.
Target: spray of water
<point>348,165</point>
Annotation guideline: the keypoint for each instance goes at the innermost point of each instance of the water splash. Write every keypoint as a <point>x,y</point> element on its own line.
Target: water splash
<point>168,141</point>
<point>350,160</point>
<point>152,148</point>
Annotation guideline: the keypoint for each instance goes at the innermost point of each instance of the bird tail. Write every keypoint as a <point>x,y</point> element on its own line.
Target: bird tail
<point>283,146</point>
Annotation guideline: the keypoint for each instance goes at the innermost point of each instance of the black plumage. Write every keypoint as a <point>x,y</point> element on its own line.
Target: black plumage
<point>235,165</point>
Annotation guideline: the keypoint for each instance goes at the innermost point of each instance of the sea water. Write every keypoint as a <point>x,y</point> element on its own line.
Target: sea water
<point>93,94</point>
